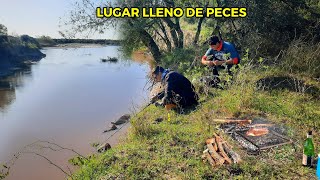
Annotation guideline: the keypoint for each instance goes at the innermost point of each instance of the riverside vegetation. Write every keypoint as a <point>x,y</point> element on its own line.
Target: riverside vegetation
<point>172,149</point>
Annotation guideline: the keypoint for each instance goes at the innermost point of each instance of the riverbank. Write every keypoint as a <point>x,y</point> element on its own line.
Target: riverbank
<point>172,149</point>
<point>74,45</point>
<point>49,42</point>
<point>18,52</point>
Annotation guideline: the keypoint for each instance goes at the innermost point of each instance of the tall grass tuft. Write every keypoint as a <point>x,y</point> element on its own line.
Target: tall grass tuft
<point>302,57</point>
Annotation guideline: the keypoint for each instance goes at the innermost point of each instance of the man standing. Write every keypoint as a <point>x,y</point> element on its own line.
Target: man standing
<point>178,90</point>
<point>220,54</point>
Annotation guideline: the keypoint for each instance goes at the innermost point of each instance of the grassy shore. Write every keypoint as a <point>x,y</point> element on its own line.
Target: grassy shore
<point>172,149</point>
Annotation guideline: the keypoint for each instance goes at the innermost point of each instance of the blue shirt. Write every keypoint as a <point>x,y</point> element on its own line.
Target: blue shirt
<point>227,51</point>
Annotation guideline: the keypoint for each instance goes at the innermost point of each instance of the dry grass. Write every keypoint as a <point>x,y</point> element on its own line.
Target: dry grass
<point>302,57</point>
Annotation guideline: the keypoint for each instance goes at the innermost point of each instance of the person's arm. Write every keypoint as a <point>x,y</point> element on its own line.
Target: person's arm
<point>169,89</point>
<point>229,61</point>
<point>205,60</point>
<point>160,95</point>
<point>233,57</point>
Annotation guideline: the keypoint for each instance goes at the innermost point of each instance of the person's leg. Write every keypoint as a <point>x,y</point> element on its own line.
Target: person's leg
<point>215,80</point>
<point>215,71</point>
<point>229,69</point>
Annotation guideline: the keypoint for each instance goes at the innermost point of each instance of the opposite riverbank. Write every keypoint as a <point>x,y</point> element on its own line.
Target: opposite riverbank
<point>18,52</point>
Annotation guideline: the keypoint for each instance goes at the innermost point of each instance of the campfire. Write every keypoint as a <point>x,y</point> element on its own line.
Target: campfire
<point>254,135</point>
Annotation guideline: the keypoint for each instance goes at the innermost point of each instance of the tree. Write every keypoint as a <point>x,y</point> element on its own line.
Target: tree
<point>157,34</point>
<point>3,30</point>
<point>271,25</point>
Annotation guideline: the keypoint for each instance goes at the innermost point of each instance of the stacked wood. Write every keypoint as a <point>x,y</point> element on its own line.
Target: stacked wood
<point>218,152</point>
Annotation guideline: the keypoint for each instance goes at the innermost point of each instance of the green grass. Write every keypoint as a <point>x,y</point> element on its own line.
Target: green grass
<point>172,149</point>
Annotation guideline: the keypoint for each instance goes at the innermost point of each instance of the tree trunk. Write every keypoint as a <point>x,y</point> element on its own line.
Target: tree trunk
<point>180,33</point>
<point>196,38</point>
<point>148,41</point>
<point>199,27</point>
<point>175,31</point>
<point>166,38</point>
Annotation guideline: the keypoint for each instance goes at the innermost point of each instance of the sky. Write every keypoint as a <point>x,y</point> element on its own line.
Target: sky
<point>38,17</point>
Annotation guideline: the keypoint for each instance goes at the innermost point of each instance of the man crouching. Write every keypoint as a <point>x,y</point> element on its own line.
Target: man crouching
<point>178,91</point>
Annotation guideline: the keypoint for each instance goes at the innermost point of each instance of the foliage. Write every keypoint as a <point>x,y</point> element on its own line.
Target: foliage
<point>3,30</point>
<point>302,57</point>
<point>46,41</point>
<point>30,41</point>
<point>271,25</point>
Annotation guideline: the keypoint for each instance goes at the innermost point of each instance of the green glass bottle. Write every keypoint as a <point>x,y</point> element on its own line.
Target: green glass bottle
<point>308,151</point>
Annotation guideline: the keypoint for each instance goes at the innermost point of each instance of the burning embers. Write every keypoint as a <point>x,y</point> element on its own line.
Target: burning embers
<point>255,135</point>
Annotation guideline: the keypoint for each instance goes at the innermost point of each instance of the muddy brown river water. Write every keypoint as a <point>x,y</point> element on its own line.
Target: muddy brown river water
<point>68,98</point>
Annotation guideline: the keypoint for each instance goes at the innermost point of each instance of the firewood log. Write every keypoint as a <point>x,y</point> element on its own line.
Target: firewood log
<point>204,157</point>
<point>234,156</point>
<point>209,158</point>
<point>210,141</point>
<point>213,142</point>
<point>217,158</point>
<point>261,125</point>
<point>221,149</point>
<point>246,121</point>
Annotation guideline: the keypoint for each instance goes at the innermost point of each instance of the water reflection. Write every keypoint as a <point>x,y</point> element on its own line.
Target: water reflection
<point>8,86</point>
<point>68,98</point>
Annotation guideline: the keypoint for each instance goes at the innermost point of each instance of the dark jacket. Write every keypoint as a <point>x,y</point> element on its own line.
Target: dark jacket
<point>178,90</point>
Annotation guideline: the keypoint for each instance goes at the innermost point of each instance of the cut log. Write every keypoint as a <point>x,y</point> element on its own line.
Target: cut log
<point>261,125</point>
<point>210,141</point>
<point>217,158</point>
<point>234,156</point>
<point>213,142</point>
<point>204,157</point>
<point>210,159</point>
<point>221,149</point>
<point>240,121</point>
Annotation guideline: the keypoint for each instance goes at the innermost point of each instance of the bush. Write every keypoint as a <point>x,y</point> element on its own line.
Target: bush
<point>3,30</point>
<point>302,57</point>
<point>30,41</point>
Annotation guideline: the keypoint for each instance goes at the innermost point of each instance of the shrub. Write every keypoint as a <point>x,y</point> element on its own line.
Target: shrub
<point>30,41</point>
<point>302,57</point>
<point>46,41</point>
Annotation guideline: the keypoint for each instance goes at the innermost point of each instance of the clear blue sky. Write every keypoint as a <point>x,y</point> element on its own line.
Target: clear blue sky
<point>37,17</point>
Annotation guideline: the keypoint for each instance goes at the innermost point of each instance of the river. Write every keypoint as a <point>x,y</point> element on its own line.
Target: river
<point>68,98</point>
